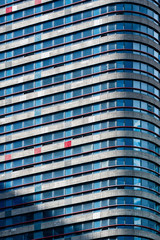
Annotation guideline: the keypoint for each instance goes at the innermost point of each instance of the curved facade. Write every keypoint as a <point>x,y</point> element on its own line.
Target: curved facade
<point>79,120</point>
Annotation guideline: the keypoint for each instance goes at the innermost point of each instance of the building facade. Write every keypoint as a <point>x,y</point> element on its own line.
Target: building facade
<point>79,120</point>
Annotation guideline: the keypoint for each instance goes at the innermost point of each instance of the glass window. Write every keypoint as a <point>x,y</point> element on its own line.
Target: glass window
<point>58,211</point>
<point>58,59</point>
<point>87,14</point>
<point>47,62</point>
<point>17,182</point>
<point>17,144</point>
<point>2,18</point>
<point>47,156</point>
<point>87,109</point>
<point>112,221</point>
<point>87,52</point>
<point>77,35</point>
<point>47,99</point>
<point>18,14</point>
<point>58,116</point>
<point>17,107</point>
<point>17,163</point>
<point>28,30</point>
<point>47,6</point>
<point>96,12</point>
<point>77,54</point>
<point>112,46</point>
<point>58,40</point>
<point>58,192</point>
<point>17,88</point>
<point>28,179</point>
<point>47,25</point>
<point>28,141</point>
<point>77,188</point>
<point>18,51</point>
<point>28,11</point>
<point>1,129</point>
<point>87,186</point>
<point>87,33</point>
<point>59,173</point>
<point>77,111</point>
<point>47,81</point>
<point>77,208</point>
<point>77,130</point>
<point>119,7</point>
<point>28,104</point>
<point>77,16</point>
<point>59,134</point>
<point>18,33</point>
<point>47,43</point>
<point>2,37</point>
<point>47,137</point>
<point>87,206</point>
<point>28,67</point>
<point>111,27</point>
<point>47,175</point>
<point>2,55</point>
<point>77,150</point>
<point>17,70</point>
<point>58,3</point>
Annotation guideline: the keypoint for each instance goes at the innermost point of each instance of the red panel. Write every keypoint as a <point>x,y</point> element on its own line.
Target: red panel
<point>8,157</point>
<point>37,1</point>
<point>67,144</point>
<point>37,150</point>
<point>9,9</point>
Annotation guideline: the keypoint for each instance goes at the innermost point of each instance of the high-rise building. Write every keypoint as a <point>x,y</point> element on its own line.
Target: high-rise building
<point>79,120</point>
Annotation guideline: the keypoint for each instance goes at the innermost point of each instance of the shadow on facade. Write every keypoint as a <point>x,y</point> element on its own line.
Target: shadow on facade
<point>19,211</point>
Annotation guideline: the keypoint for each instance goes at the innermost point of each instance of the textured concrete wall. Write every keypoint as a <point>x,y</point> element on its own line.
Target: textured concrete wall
<point>81,121</point>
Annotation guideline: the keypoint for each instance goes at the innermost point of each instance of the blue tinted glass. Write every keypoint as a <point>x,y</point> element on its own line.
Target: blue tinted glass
<point>47,62</point>
<point>29,30</point>
<point>58,3</point>
<point>47,43</point>
<point>2,37</point>
<point>28,67</point>
<point>29,11</point>
<point>47,6</point>
<point>58,22</point>
<point>2,55</point>
<point>2,19</point>
<point>18,51</point>
<point>17,70</point>
<point>58,40</point>
<point>18,15</point>
<point>47,25</point>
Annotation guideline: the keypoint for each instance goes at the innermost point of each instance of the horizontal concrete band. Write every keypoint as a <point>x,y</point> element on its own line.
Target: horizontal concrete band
<point>24,5</point>
<point>31,132</point>
<point>90,62</point>
<point>80,160</point>
<point>53,185</point>
<point>67,12</point>
<point>78,27</point>
<point>18,5</point>
<point>80,65</point>
<point>82,199</point>
<point>116,232</point>
<point>85,218</point>
<point>54,88</point>
<point>60,145</point>
<point>80,103</point>
<point>81,180</point>
<point>77,46</point>
<point>27,172</point>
